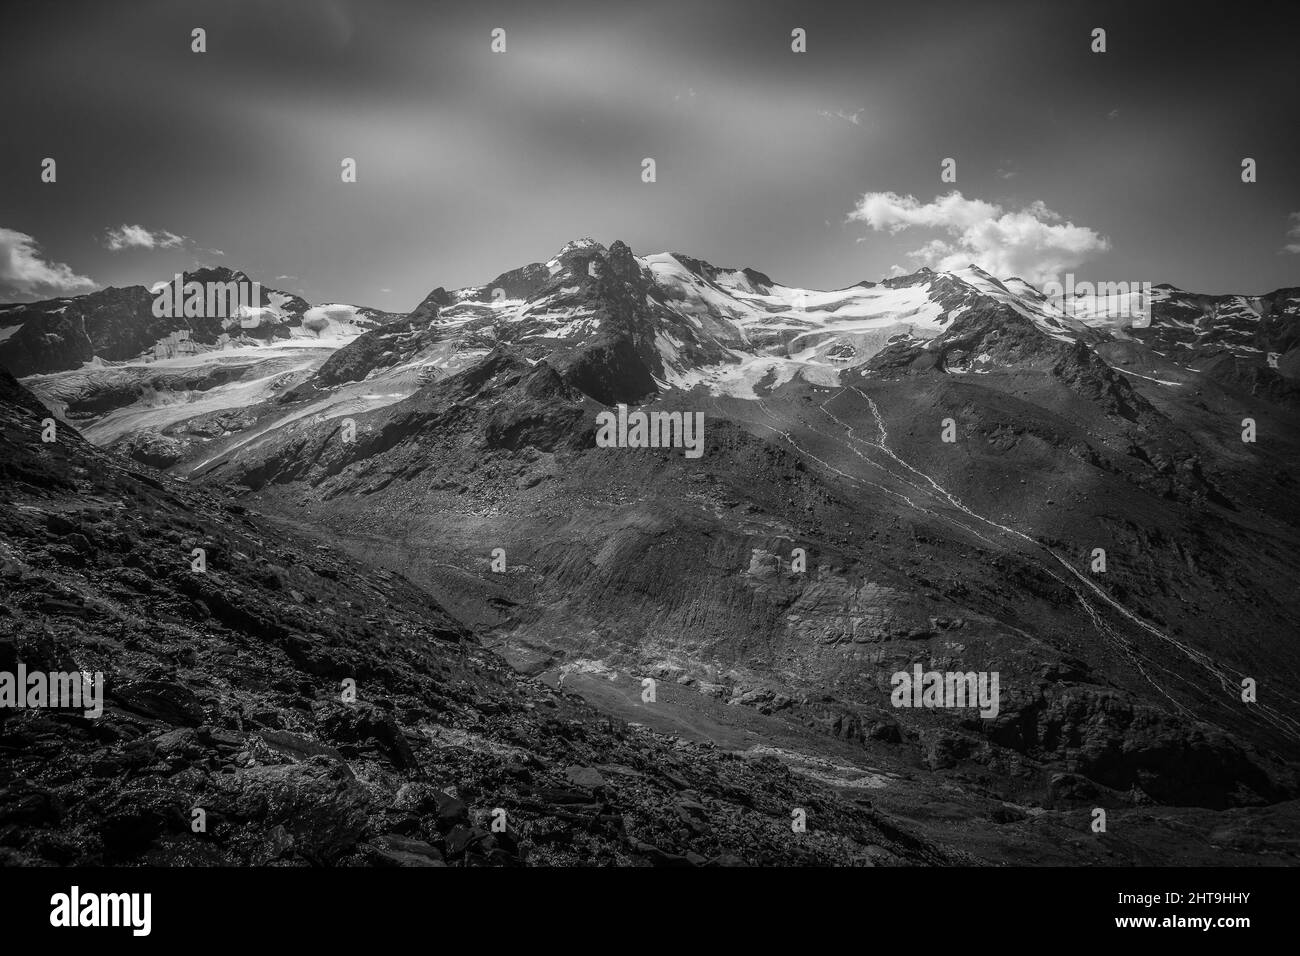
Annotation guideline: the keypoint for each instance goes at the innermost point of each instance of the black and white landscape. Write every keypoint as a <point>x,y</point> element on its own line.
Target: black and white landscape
<point>466,524</point>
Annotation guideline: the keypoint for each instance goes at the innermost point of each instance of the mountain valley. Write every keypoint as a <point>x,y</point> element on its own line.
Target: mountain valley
<point>916,471</point>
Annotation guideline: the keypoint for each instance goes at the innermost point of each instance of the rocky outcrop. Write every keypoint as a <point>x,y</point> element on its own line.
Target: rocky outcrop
<point>380,348</point>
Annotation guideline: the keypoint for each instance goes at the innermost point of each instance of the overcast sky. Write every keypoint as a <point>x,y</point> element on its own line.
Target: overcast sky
<point>820,169</point>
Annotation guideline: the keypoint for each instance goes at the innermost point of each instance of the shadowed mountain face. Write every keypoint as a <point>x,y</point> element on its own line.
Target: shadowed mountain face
<point>939,471</point>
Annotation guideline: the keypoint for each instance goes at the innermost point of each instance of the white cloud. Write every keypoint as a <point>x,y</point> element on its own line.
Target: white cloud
<point>24,274</point>
<point>855,117</point>
<point>1034,243</point>
<point>1293,234</point>
<point>138,237</point>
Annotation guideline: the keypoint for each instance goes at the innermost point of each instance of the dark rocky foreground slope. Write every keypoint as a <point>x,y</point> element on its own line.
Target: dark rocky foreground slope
<point>223,694</point>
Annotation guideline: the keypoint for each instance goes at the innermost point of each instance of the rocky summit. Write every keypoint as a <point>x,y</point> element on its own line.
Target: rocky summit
<point>366,588</point>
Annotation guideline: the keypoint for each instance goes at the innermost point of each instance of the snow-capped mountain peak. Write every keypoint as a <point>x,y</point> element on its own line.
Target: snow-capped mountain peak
<point>622,326</point>
<point>730,329</point>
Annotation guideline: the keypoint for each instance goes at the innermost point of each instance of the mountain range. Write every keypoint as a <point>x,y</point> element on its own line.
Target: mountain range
<point>918,471</point>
